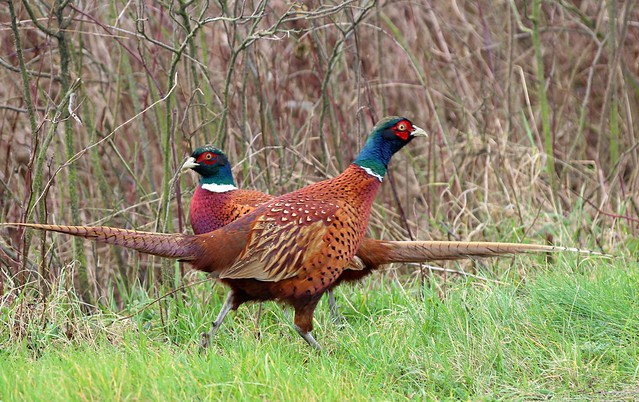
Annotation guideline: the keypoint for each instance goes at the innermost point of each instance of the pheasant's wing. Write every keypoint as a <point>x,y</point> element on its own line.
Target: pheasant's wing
<point>285,237</point>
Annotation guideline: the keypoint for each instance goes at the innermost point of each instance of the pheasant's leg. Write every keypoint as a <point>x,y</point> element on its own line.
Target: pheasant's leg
<point>228,305</point>
<point>304,321</point>
<point>332,304</point>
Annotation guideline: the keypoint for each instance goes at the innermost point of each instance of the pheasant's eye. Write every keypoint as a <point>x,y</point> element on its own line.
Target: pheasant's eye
<point>402,129</point>
<point>208,158</point>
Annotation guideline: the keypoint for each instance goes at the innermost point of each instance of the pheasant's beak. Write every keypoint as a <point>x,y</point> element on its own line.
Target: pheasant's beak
<point>189,164</point>
<point>418,132</point>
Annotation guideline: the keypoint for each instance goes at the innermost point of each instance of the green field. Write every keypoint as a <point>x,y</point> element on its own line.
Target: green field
<point>568,330</point>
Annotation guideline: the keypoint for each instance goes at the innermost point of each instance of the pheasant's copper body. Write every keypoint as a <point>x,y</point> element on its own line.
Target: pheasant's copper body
<point>324,225</point>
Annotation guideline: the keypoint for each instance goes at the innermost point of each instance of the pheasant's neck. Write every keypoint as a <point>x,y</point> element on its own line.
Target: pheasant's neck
<point>210,210</point>
<point>374,157</point>
<point>219,182</point>
<point>218,188</point>
<point>376,173</point>
<point>358,188</point>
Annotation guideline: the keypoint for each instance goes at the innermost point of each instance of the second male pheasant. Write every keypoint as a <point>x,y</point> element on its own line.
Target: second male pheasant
<point>217,202</point>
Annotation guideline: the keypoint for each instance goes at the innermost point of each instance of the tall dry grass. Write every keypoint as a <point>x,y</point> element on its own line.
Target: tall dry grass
<point>532,109</point>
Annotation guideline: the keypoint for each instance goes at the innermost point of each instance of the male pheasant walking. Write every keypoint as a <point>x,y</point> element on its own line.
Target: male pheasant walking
<point>217,202</point>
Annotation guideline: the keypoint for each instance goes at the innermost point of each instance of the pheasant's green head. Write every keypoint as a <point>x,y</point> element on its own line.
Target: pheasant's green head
<point>213,167</point>
<point>387,137</point>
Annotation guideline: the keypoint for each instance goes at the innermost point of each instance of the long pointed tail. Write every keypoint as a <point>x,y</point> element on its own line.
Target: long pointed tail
<point>168,245</point>
<point>385,252</point>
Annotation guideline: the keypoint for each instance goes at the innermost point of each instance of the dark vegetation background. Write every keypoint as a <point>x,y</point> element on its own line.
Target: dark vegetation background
<point>532,107</point>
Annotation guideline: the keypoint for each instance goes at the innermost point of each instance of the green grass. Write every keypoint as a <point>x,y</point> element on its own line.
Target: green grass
<point>569,329</point>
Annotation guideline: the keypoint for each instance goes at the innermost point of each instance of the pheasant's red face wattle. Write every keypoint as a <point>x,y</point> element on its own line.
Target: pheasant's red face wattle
<point>403,129</point>
<point>207,158</point>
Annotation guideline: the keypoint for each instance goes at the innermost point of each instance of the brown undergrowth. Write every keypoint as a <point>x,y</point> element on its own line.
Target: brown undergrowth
<point>289,90</point>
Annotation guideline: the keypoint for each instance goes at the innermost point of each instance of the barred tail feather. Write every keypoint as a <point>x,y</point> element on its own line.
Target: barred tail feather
<point>168,245</point>
<point>422,251</point>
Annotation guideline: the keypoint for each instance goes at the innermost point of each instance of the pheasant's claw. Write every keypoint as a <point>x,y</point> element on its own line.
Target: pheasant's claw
<point>339,320</point>
<point>258,333</point>
<point>308,338</point>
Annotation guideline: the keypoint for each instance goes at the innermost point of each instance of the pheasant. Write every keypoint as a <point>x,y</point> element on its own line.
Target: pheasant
<point>295,247</point>
<point>217,202</point>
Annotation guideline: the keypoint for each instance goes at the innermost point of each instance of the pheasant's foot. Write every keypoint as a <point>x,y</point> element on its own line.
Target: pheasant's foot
<point>206,338</point>
<point>308,338</point>
<point>339,320</point>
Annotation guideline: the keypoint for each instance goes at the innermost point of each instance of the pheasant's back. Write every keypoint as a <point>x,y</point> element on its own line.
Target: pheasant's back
<point>210,210</point>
